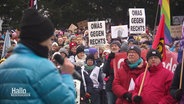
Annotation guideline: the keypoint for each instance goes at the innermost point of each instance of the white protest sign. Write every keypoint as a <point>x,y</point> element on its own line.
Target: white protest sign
<point>77,87</point>
<point>97,33</point>
<point>119,31</point>
<point>72,27</point>
<point>177,20</point>
<point>137,21</point>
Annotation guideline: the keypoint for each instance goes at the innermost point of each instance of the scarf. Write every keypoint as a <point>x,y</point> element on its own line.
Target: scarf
<point>89,68</point>
<point>36,48</point>
<point>80,62</point>
<point>134,65</point>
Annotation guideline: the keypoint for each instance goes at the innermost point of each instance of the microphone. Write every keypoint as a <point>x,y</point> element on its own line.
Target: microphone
<point>60,60</point>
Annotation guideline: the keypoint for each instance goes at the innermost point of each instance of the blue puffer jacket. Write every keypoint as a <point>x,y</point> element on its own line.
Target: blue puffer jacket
<point>26,78</point>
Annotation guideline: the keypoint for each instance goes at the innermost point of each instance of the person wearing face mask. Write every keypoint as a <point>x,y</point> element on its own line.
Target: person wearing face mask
<point>27,76</point>
<point>157,82</point>
<point>109,71</point>
<point>124,82</point>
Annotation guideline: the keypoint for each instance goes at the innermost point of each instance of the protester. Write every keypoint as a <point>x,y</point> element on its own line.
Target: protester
<point>60,42</point>
<point>132,42</point>
<point>109,71</point>
<point>155,89</point>
<point>108,38</point>
<point>124,47</point>
<point>72,51</point>
<point>86,88</point>
<point>96,76</point>
<point>3,35</point>
<point>80,56</point>
<point>175,91</point>
<point>95,53</point>
<point>27,76</point>
<point>58,66</point>
<point>177,45</point>
<point>101,50</point>
<point>63,52</point>
<point>79,60</point>
<point>174,46</point>
<point>124,82</point>
<point>98,61</point>
<point>80,40</point>
<point>72,38</point>
<point>54,48</point>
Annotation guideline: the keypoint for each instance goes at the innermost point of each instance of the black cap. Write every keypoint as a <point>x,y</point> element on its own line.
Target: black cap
<point>80,49</point>
<point>153,52</point>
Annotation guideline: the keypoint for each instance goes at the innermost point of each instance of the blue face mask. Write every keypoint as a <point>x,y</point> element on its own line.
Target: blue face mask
<point>134,65</point>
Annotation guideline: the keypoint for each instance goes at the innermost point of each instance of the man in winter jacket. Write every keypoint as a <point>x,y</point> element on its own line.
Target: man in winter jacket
<point>124,82</point>
<point>27,76</point>
<point>157,82</point>
<point>109,71</point>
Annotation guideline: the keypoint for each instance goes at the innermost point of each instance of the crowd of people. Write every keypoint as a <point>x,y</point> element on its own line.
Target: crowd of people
<point>30,64</point>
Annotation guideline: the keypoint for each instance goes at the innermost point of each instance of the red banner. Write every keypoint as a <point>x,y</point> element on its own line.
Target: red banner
<point>171,60</point>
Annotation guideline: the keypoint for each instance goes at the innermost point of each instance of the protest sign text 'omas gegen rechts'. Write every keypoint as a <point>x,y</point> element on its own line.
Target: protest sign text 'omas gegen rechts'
<point>97,33</point>
<point>137,21</point>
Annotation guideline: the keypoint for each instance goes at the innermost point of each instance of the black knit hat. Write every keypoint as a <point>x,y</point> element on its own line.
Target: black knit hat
<point>80,49</point>
<point>117,43</point>
<point>153,52</point>
<point>35,27</point>
<point>90,56</point>
<point>135,48</point>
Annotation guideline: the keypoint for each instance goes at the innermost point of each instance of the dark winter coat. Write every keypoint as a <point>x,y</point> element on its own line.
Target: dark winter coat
<point>109,71</point>
<point>176,82</point>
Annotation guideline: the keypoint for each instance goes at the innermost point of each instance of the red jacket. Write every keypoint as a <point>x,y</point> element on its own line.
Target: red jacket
<point>122,80</point>
<point>156,86</point>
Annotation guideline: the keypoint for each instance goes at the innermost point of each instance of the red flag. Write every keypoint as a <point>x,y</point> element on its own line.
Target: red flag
<point>33,4</point>
<point>159,42</point>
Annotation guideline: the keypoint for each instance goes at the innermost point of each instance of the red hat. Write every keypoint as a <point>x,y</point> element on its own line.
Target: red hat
<point>72,44</point>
